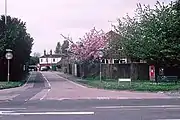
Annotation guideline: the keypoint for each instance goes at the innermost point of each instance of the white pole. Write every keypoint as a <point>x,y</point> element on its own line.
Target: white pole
<point>5,11</point>
<point>5,37</point>
<point>100,71</point>
<point>51,62</point>
<point>8,71</point>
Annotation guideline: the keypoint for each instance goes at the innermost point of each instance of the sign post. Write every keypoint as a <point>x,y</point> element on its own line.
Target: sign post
<point>101,54</point>
<point>8,56</point>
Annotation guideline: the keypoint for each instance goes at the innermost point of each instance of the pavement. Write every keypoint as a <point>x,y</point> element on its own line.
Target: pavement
<point>51,96</point>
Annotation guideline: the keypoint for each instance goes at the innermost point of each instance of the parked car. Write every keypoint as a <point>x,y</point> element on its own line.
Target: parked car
<point>32,68</point>
<point>45,68</point>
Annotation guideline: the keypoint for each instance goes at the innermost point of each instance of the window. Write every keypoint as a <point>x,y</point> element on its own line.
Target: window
<point>122,61</point>
<point>121,48</point>
<point>107,62</point>
<point>103,61</point>
<point>41,60</point>
<point>46,59</point>
<point>53,59</point>
<point>116,61</point>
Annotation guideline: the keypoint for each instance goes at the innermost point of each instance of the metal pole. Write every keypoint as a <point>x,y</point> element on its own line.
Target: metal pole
<point>6,35</point>
<point>100,71</point>
<point>51,63</point>
<point>5,11</point>
<point>8,71</point>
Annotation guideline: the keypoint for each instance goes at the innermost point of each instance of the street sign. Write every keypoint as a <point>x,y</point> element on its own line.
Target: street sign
<point>8,50</point>
<point>9,55</point>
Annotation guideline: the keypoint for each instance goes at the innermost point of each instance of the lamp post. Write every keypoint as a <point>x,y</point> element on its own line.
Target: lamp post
<point>8,56</point>
<point>101,54</point>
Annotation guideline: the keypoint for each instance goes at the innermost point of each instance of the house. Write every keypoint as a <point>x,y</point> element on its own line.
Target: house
<point>65,63</point>
<point>49,60</point>
<point>113,52</point>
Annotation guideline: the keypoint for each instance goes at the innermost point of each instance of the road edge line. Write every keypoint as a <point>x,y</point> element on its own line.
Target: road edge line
<point>10,113</point>
<point>27,80</point>
<point>71,81</point>
<point>48,85</point>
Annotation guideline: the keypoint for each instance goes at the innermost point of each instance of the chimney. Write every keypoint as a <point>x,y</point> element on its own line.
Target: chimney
<point>44,52</point>
<point>50,52</point>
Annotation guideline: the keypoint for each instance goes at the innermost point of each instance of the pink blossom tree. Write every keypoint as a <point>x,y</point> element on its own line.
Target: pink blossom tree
<point>88,46</point>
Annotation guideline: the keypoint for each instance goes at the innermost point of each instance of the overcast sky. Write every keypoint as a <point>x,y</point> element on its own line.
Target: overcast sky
<point>47,19</point>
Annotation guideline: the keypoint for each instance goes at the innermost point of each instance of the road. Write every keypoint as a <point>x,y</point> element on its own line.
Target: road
<point>48,96</point>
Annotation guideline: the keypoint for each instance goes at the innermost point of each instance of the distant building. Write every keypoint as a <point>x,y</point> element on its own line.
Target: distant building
<point>115,54</point>
<point>49,60</point>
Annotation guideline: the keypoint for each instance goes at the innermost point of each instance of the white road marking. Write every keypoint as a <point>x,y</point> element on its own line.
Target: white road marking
<point>131,109</point>
<point>103,98</point>
<point>172,108</point>
<point>1,112</point>
<point>13,108</point>
<point>155,106</point>
<point>46,113</point>
<point>96,98</point>
<point>64,99</point>
<point>71,81</point>
<point>167,119</point>
<point>48,89</point>
<point>47,81</point>
<point>45,94</point>
<point>28,79</point>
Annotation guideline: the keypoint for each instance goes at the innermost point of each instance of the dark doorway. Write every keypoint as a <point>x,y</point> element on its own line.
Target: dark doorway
<point>78,71</point>
<point>70,69</point>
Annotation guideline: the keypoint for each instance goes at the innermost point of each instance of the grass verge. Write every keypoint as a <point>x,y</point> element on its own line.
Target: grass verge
<point>135,85</point>
<point>6,85</point>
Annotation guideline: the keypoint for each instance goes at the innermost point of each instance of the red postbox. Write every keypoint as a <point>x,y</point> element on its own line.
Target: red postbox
<point>152,72</point>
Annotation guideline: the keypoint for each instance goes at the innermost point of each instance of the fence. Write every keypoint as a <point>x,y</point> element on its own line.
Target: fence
<point>135,71</point>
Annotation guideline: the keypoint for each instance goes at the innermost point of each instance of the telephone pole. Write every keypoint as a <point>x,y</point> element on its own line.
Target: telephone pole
<point>5,11</point>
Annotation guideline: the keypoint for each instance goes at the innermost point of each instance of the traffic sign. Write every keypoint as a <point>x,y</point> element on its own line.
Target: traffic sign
<point>9,55</point>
